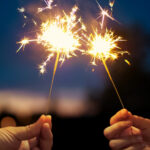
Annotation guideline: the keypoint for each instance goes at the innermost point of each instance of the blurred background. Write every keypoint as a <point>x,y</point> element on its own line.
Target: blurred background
<point>83,98</point>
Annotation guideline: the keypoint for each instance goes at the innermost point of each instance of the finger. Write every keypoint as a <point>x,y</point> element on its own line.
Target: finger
<point>24,145</point>
<point>46,138</point>
<point>135,147</point>
<point>136,131</point>
<point>140,122</point>
<point>125,142</point>
<point>33,142</point>
<point>48,119</point>
<point>130,132</point>
<point>116,129</point>
<point>30,131</point>
<point>120,116</point>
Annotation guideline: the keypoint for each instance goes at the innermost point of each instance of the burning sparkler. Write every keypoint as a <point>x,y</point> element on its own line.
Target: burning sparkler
<point>104,47</point>
<point>59,37</point>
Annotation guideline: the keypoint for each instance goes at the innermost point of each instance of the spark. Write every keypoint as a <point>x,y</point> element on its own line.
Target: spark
<point>104,13</point>
<point>23,43</point>
<point>49,5</point>
<point>128,62</point>
<point>59,37</point>
<point>111,4</point>
<point>21,10</point>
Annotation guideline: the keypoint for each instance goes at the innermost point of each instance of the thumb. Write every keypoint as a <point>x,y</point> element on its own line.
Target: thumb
<point>140,122</point>
<point>29,131</point>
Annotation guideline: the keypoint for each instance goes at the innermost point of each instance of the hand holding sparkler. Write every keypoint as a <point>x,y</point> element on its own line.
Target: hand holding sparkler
<point>127,131</point>
<point>35,136</point>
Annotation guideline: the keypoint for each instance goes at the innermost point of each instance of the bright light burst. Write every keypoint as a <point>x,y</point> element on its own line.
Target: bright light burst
<point>59,36</point>
<point>104,46</point>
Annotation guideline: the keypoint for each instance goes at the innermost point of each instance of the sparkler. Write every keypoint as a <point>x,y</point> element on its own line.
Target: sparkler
<point>59,37</point>
<point>104,47</point>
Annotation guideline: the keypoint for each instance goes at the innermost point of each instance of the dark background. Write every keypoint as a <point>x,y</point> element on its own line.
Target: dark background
<point>18,72</point>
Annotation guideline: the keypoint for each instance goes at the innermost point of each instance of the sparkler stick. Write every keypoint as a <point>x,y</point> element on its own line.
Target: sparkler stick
<point>54,72</point>
<point>110,77</point>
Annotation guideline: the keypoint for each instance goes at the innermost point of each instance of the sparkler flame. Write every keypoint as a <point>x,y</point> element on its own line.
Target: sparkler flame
<point>104,46</point>
<point>59,36</point>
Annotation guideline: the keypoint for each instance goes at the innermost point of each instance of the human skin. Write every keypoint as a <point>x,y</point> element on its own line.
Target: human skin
<point>37,136</point>
<point>128,132</point>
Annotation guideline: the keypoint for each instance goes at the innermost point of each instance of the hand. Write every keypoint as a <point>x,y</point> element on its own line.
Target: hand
<point>37,136</point>
<point>128,132</point>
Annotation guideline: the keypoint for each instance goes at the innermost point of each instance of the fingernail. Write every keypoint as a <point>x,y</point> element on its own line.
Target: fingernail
<point>50,117</point>
<point>42,117</point>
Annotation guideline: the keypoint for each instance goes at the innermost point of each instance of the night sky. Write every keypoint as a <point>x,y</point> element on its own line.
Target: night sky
<point>20,71</point>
